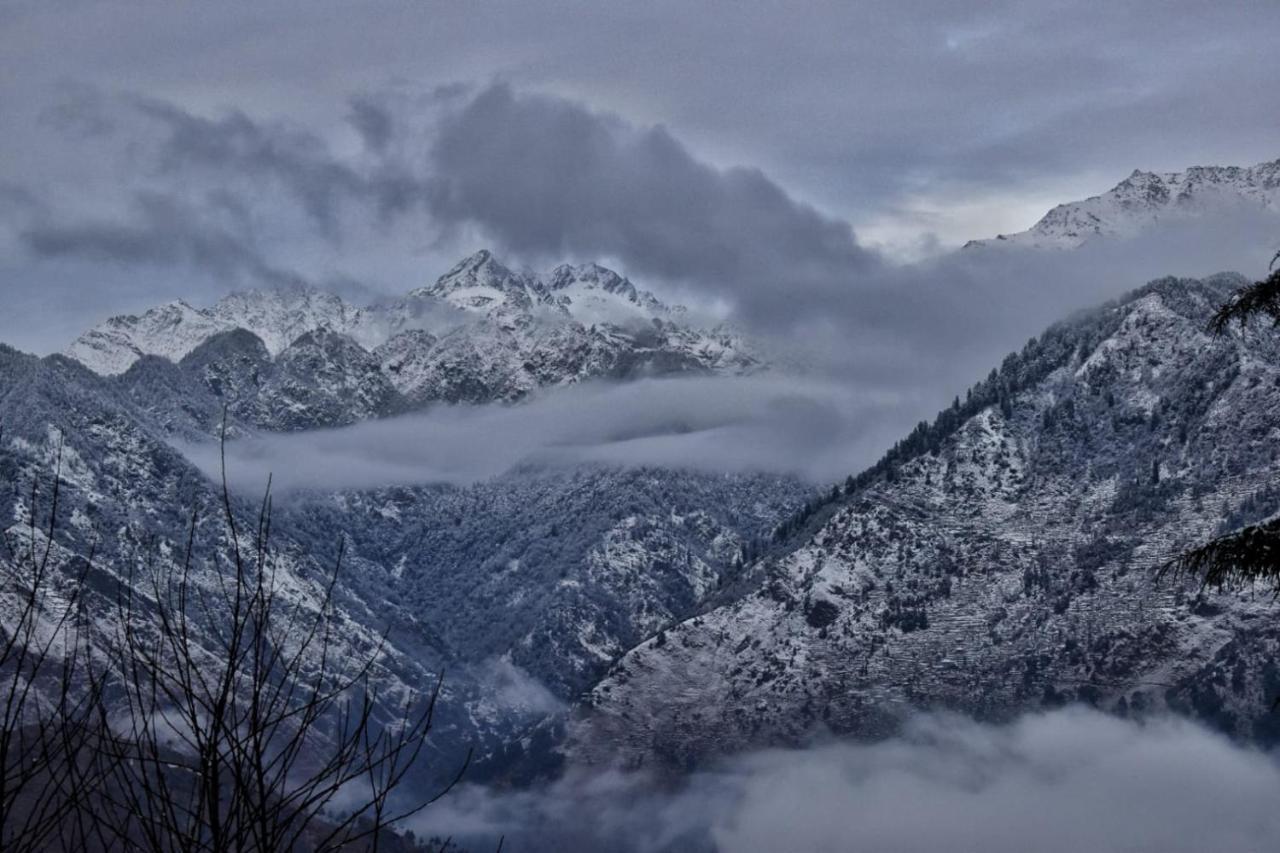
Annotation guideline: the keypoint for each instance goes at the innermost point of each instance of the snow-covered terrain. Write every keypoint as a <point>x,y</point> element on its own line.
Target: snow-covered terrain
<point>997,560</point>
<point>1002,559</point>
<point>525,588</point>
<point>1145,198</point>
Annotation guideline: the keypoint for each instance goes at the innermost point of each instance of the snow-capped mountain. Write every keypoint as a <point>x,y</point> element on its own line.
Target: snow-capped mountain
<point>479,290</point>
<point>1145,198</point>
<point>170,331</point>
<point>589,294</point>
<point>481,333</point>
<point>277,317</point>
<point>1002,559</point>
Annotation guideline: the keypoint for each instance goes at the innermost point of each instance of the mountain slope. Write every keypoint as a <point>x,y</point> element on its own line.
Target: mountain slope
<point>126,498</point>
<point>525,587</point>
<point>1006,562</point>
<point>1145,198</point>
<point>558,571</point>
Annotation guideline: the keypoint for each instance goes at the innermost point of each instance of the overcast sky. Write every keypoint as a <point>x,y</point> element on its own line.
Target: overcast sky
<point>909,121</point>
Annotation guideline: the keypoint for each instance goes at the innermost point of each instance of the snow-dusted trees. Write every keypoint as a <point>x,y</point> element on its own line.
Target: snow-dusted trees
<point>49,689</point>
<point>246,727</point>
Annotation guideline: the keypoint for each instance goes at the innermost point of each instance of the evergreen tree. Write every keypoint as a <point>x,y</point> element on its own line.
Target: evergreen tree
<point>1251,554</point>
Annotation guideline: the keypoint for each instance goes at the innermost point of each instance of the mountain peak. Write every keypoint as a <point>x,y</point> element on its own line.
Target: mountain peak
<point>476,264</point>
<point>479,282</point>
<point>589,274</point>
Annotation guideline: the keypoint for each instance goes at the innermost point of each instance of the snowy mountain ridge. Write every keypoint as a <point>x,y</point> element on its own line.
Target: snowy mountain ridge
<point>1145,198</point>
<point>479,290</point>
<point>289,358</point>
<point>588,293</point>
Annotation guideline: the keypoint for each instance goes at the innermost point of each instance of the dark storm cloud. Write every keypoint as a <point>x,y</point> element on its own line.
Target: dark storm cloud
<point>18,202</point>
<point>546,176</point>
<point>542,178</point>
<point>81,111</point>
<point>372,121</point>
<point>163,231</point>
<point>298,160</point>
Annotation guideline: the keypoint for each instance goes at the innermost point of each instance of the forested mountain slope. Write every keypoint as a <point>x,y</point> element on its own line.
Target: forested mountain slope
<point>1003,558</point>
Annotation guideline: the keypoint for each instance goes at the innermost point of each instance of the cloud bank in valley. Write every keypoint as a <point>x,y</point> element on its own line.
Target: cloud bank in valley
<point>762,423</point>
<point>1058,782</point>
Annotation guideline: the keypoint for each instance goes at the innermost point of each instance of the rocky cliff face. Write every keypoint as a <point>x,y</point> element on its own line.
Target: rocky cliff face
<point>1001,559</point>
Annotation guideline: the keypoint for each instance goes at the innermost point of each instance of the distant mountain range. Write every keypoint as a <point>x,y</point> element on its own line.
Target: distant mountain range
<point>481,333</point>
<point>1145,198</point>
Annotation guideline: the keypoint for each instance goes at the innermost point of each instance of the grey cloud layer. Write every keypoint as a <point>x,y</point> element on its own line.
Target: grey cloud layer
<point>165,231</point>
<point>549,177</point>
<point>852,103</point>
<point>296,159</point>
<point>542,178</point>
<point>539,177</point>
<point>1059,782</point>
<point>775,424</point>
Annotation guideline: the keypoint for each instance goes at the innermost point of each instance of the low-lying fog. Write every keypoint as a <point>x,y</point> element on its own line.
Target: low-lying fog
<point>1064,781</point>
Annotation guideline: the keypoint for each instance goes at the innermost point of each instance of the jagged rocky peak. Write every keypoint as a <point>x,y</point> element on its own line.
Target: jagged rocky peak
<point>482,282</point>
<point>1140,200</point>
<point>1142,188</point>
<point>590,275</point>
